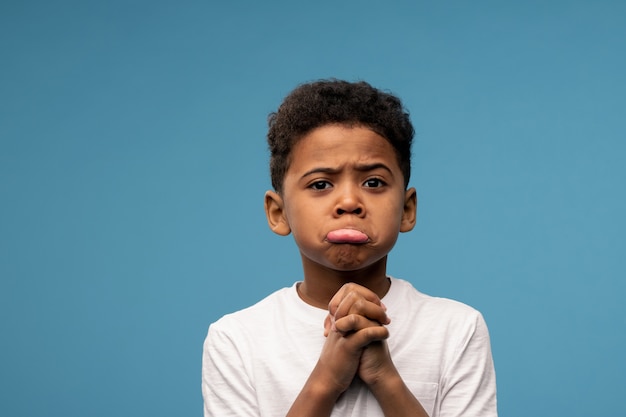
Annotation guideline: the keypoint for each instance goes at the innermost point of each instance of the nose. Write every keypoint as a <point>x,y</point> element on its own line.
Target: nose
<point>349,202</point>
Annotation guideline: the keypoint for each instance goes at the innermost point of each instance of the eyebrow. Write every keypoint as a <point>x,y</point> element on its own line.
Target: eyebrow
<point>358,167</point>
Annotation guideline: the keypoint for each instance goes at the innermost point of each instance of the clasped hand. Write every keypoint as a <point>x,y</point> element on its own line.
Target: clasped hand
<point>355,337</point>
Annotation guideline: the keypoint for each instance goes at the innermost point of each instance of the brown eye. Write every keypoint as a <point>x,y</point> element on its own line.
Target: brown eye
<point>373,183</point>
<point>320,185</point>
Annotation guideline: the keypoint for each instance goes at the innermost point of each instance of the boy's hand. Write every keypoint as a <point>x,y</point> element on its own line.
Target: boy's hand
<point>337,366</point>
<point>341,356</point>
<point>356,306</point>
<point>376,364</point>
<point>356,345</point>
<point>350,302</point>
<point>353,322</point>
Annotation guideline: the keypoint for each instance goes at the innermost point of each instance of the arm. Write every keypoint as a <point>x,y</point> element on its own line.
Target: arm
<point>336,367</point>
<point>381,376</point>
<point>376,368</point>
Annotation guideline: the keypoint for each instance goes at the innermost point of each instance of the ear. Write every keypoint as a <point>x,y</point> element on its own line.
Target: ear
<point>409,213</point>
<point>275,213</point>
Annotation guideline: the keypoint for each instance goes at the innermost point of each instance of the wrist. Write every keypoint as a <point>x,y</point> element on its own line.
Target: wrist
<point>395,398</point>
<point>385,380</point>
<point>324,385</point>
<point>317,398</point>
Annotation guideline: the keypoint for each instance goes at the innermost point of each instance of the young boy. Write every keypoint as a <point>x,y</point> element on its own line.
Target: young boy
<point>348,340</point>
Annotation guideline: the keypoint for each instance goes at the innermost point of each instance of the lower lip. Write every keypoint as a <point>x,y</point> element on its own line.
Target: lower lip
<point>347,236</point>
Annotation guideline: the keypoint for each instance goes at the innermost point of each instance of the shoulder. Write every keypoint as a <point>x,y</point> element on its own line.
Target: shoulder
<point>281,322</point>
<point>232,338</point>
<point>427,310</point>
<point>405,292</point>
<point>251,316</point>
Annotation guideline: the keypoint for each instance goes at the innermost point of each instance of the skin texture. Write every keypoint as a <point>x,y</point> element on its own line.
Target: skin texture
<point>343,177</point>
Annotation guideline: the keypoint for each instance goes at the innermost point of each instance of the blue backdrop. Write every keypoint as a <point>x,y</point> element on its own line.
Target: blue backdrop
<point>133,165</point>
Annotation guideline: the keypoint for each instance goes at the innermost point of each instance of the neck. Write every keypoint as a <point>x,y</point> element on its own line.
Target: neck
<point>321,283</point>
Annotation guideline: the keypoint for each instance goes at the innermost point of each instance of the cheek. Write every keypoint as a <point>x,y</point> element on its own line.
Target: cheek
<point>300,221</point>
<point>393,210</point>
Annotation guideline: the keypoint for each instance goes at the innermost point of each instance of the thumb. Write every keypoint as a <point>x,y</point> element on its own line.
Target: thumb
<point>329,324</point>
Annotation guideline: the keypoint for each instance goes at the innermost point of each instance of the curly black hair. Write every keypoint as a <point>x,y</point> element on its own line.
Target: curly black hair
<point>333,101</point>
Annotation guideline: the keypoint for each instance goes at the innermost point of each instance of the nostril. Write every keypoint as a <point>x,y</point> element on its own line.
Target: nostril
<point>356,211</point>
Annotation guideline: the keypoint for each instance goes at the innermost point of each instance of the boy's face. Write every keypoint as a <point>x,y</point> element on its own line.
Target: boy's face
<point>343,198</point>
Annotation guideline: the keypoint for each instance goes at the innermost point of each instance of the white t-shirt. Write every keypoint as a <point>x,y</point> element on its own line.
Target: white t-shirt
<point>256,361</point>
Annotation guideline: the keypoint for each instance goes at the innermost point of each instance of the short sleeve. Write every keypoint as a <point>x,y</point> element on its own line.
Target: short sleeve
<point>226,386</point>
<point>469,382</point>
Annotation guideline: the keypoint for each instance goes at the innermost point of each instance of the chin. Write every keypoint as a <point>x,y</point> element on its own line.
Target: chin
<point>346,258</point>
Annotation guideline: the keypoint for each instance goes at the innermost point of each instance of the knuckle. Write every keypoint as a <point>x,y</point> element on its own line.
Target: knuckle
<point>378,332</point>
<point>359,306</point>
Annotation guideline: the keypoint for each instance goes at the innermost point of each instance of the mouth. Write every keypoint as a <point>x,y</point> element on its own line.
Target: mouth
<point>350,236</point>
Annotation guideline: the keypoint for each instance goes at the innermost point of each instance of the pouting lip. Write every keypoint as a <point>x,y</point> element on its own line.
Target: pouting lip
<point>347,235</point>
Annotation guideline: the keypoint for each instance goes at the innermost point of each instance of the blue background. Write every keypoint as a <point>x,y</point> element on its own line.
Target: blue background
<point>133,165</point>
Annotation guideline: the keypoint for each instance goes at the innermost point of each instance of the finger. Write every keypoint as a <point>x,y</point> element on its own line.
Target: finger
<point>353,323</point>
<point>329,324</point>
<point>366,336</point>
<point>354,303</point>
<point>368,309</point>
<point>348,288</point>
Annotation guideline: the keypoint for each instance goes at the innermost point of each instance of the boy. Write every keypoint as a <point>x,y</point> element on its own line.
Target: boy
<point>348,340</point>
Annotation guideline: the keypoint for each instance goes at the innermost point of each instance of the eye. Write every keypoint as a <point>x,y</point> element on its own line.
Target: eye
<point>374,183</point>
<point>320,185</point>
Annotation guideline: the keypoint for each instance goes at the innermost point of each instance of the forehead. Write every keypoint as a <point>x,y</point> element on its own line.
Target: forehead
<point>337,145</point>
